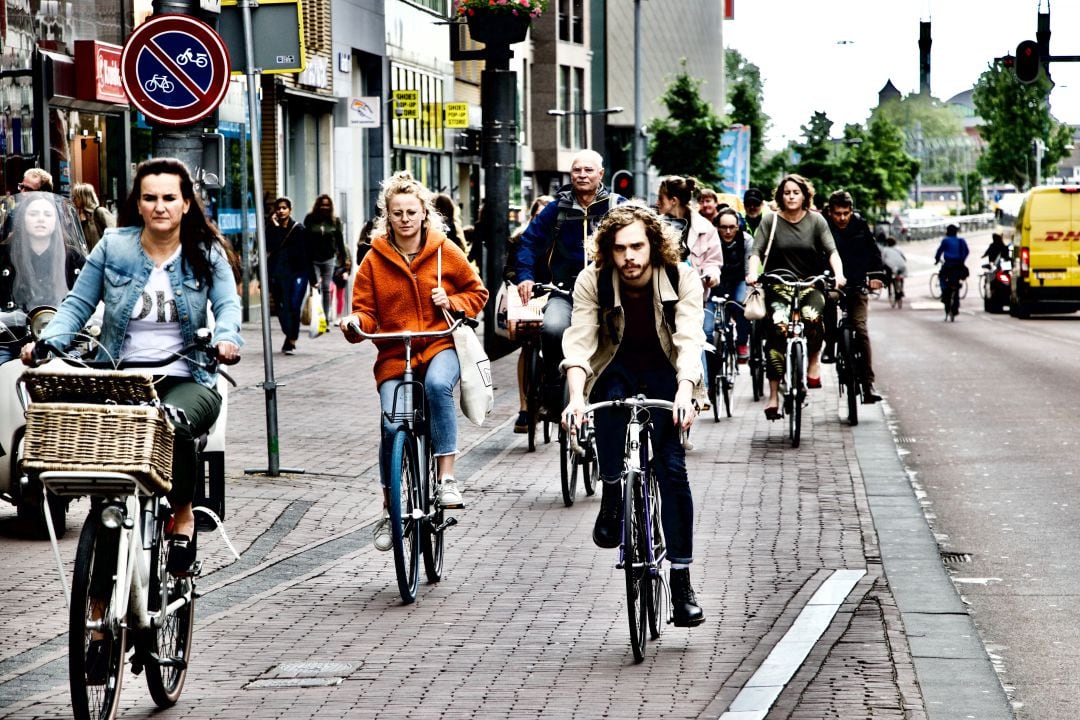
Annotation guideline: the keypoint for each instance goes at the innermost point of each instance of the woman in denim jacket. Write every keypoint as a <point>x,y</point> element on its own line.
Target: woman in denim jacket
<point>157,275</point>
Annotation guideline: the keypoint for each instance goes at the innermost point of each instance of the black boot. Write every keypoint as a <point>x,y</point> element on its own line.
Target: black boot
<point>609,521</point>
<point>869,395</point>
<point>684,605</point>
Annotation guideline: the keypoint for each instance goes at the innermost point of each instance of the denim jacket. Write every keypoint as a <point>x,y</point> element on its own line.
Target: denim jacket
<point>116,272</point>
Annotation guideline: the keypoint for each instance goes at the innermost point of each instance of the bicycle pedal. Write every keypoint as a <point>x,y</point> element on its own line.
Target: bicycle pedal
<point>447,523</point>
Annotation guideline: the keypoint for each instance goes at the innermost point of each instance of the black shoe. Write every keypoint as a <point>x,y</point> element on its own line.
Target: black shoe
<point>181,556</point>
<point>609,520</point>
<point>684,608</point>
<point>97,662</point>
<point>828,355</point>
<point>521,425</point>
<point>289,347</point>
<point>869,397</point>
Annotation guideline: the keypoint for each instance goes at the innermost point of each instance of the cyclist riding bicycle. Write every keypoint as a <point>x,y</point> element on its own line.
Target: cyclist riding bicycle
<point>399,288</point>
<point>623,341</point>
<point>552,249</point>
<point>863,266</point>
<point>735,245</point>
<point>952,253</point>
<point>795,239</point>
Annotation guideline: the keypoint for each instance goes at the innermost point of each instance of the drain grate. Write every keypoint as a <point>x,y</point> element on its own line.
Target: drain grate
<point>305,674</point>
<point>955,558</point>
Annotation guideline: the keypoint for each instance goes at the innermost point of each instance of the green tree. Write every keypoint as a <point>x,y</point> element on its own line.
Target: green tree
<point>1014,115</point>
<point>688,140</point>
<point>946,150</point>
<point>745,92</point>
<point>817,161</point>
<point>876,167</point>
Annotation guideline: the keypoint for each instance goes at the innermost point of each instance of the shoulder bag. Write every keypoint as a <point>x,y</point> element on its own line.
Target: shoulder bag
<point>477,393</point>
<point>754,304</point>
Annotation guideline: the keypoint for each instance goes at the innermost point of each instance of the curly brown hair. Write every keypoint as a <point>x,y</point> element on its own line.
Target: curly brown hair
<point>663,238</point>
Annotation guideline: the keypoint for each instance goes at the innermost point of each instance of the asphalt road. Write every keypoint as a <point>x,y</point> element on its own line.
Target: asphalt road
<point>985,408</point>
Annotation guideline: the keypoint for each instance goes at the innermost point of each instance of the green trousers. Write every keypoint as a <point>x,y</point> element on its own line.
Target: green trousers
<point>200,405</point>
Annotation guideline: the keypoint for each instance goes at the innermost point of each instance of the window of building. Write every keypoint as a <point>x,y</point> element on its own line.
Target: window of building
<point>564,104</point>
<point>571,21</point>
<point>425,132</point>
<point>442,7</point>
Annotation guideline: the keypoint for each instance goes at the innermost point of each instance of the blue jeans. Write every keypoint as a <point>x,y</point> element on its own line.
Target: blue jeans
<point>556,320</point>
<point>439,377</point>
<point>289,294</point>
<point>709,326</point>
<point>668,456</point>
<point>324,270</point>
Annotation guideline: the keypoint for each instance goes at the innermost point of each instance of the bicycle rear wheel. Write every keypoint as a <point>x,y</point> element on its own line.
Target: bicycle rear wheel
<point>167,649</point>
<point>95,665</point>
<point>568,468</point>
<point>935,286</point>
<point>404,529</point>
<point>757,360</point>
<point>797,393</point>
<point>432,538</point>
<point>848,379</point>
<point>634,557</point>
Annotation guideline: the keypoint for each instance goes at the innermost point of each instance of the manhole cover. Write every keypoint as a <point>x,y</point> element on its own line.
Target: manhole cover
<point>305,674</point>
<point>294,682</point>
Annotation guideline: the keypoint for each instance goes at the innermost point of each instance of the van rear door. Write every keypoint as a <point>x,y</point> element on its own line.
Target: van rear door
<point>1054,215</point>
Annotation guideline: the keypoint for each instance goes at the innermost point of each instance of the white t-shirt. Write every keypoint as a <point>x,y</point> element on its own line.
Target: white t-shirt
<point>153,332</point>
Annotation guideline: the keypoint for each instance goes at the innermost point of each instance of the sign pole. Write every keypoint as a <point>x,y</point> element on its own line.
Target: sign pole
<point>269,385</point>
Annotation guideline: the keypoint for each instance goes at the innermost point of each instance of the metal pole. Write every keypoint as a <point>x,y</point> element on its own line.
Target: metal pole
<point>269,385</point>
<point>639,131</point>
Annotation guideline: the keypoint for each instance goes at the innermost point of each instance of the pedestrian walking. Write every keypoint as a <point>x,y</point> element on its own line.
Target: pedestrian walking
<point>412,275</point>
<point>93,218</point>
<point>326,246</point>
<point>289,268</point>
<point>624,346</point>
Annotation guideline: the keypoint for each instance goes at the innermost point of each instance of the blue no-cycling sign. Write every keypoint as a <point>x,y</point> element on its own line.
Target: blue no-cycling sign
<point>175,69</point>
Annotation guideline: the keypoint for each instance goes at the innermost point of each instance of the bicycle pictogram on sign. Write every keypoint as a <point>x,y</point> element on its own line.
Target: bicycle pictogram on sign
<point>175,69</point>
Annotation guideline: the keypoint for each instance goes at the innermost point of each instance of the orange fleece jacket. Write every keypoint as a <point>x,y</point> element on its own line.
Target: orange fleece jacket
<point>391,296</point>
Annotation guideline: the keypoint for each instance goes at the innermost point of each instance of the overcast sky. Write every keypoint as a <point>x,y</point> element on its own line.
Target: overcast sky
<point>835,55</point>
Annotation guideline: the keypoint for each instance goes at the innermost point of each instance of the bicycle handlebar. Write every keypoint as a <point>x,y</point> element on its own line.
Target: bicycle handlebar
<point>541,288</point>
<point>459,320</point>
<point>786,277</point>
<point>578,434</point>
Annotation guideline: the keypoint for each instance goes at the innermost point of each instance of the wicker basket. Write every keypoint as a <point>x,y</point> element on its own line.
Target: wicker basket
<point>79,385</point>
<point>135,439</point>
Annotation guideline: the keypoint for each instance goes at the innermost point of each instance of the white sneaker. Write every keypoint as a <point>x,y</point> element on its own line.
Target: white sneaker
<point>380,536</point>
<point>449,495</point>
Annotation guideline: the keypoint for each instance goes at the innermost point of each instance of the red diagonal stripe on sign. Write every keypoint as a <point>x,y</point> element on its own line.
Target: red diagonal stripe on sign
<point>163,57</point>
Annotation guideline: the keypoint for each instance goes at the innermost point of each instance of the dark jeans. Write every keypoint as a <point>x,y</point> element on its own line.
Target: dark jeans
<point>858,305</point>
<point>556,320</point>
<point>668,456</point>
<point>289,296</point>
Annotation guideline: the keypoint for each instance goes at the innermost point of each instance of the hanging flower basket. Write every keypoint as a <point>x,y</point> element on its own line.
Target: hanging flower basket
<point>498,29</point>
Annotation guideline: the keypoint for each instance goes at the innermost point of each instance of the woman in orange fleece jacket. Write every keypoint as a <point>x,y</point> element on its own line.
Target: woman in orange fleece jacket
<point>398,288</point>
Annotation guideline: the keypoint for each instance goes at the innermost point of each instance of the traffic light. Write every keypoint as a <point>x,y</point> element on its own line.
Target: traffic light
<point>622,182</point>
<point>1027,61</point>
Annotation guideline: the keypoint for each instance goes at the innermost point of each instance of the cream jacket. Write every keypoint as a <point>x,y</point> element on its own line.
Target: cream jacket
<point>587,347</point>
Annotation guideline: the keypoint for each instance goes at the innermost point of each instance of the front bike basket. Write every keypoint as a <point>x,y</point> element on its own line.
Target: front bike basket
<point>408,403</point>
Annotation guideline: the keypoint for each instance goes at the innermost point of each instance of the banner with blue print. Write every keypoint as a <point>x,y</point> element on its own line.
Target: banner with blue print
<point>734,160</point>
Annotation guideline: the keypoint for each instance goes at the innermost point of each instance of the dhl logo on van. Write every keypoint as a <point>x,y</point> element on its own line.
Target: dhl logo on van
<point>1061,236</point>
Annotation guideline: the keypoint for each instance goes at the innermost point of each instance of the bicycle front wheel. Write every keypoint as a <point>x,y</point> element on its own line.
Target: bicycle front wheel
<point>170,643</point>
<point>728,368</point>
<point>96,639</point>
<point>568,468</point>
<point>657,596</point>
<point>757,360</point>
<point>404,528</point>
<point>797,392</point>
<point>531,377</point>
<point>634,563</point>
<point>433,535</point>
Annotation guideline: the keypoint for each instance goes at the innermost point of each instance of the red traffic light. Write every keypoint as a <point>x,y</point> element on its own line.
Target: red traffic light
<point>622,182</point>
<point>1027,61</point>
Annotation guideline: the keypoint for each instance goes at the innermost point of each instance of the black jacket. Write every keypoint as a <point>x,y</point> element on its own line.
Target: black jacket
<point>858,250</point>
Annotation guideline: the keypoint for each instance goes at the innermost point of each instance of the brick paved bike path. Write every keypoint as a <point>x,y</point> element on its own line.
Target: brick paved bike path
<point>529,620</point>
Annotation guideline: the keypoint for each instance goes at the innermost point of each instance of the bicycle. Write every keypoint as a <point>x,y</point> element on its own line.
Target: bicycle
<point>955,289</point>
<point>724,360</point>
<point>793,384</point>
<point>99,430</point>
<point>417,521</point>
<point>159,82</point>
<point>935,286</point>
<point>850,363</point>
<point>570,463</point>
<point>895,284</point>
<point>642,551</point>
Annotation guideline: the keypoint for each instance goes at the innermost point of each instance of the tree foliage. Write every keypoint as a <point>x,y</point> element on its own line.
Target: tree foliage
<point>689,139</point>
<point>745,92</point>
<point>1013,116</point>
<point>934,132</point>
<point>869,163</point>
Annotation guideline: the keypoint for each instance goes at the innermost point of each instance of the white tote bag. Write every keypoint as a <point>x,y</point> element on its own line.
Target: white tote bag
<point>477,392</point>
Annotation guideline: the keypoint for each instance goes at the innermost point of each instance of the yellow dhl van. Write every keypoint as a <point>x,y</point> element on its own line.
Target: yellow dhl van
<point>1046,252</point>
